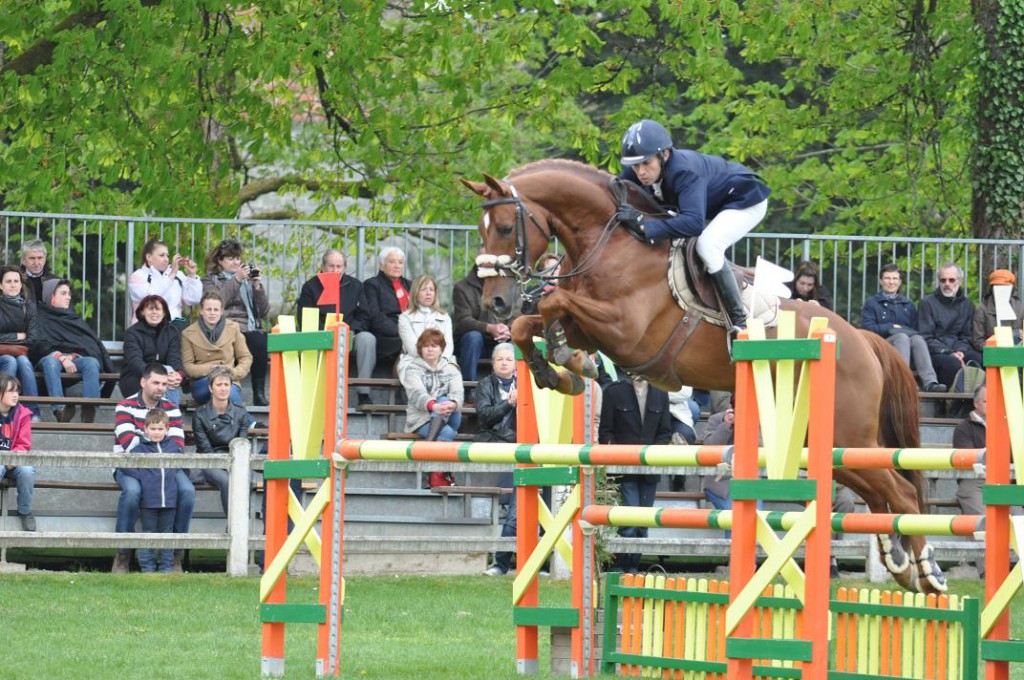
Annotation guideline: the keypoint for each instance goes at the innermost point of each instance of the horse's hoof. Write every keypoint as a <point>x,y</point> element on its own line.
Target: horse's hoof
<point>589,369</point>
<point>930,576</point>
<point>561,354</point>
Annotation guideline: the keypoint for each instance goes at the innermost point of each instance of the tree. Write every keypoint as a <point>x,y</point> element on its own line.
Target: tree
<point>999,152</point>
<point>859,114</point>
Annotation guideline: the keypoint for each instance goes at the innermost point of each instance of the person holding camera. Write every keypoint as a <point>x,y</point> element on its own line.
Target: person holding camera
<point>173,279</point>
<point>245,302</point>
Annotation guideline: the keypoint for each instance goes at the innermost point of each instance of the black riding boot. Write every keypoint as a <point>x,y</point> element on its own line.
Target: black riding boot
<point>732,303</point>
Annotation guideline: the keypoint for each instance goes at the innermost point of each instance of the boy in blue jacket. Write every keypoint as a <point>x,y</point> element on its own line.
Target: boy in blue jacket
<point>159,490</point>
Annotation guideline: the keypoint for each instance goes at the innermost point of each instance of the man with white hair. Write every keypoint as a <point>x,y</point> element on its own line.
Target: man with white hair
<point>945,319</point>
<point>383,298</point>
<point>33,264</point>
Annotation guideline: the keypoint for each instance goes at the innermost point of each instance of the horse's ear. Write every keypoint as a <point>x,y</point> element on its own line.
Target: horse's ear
<point>478,188</point>
<point>499,188</point>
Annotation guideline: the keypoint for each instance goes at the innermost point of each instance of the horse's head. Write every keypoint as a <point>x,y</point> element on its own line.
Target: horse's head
<point>514,234</point>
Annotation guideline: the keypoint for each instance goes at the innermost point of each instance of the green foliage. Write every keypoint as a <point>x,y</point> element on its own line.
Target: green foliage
<point>859,114</point>
<point>1000,150</point>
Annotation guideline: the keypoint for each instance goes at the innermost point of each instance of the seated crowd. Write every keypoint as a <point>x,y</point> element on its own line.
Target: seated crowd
<point>399,329</point>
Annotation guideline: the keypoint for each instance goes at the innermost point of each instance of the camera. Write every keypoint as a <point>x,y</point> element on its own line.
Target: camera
<point>253,272</point>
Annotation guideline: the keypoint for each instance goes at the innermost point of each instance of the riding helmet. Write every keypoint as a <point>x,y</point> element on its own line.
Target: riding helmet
<point>643,140</point>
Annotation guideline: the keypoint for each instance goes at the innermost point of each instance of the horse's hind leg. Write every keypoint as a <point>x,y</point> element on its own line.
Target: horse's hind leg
<point>524,329</point>
<point>887,491</point>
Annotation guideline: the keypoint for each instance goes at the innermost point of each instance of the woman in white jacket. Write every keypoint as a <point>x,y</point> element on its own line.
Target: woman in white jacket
<point>423,313</point>
<point>433,385</point>
<point>162,275</point>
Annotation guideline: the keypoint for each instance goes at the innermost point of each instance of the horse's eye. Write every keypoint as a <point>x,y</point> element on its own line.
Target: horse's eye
<point>505,229</point>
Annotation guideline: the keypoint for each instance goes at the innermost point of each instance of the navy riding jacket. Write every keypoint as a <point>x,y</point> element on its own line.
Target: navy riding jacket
<point>698,187</point>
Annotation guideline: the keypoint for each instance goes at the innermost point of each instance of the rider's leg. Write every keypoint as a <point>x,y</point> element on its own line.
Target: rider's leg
<point>728,227</point>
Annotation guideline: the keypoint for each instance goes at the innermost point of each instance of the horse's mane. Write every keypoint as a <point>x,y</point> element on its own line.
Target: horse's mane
<point>562,164</point>
<point>589,173</point>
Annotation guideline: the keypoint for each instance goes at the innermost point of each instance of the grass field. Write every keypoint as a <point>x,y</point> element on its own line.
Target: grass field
<point>88,625</point>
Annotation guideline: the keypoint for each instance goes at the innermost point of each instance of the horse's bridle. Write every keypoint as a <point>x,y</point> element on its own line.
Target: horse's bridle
<point>502,265</point>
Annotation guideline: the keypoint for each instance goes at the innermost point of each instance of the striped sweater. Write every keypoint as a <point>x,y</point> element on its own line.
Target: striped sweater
<point>130,417</point>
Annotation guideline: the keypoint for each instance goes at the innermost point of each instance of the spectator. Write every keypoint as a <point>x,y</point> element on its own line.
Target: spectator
<point>16,435</point>
<point>349,288</point>
<point>476,328</point>
<point>212,341</point>
<point>806,285</point>
<point>985,315</point>
<point>424,313</point>
<point>245,302</point>
<point>434,387</point>
<point>496,416</point>
<point>215,424</point>
<point>719,431</point>
<point>18,332</point>
<point>945,321</point>
<point>969,433</point>
<point>496,403</point>
<point>154,338</point>
<point>894,317</point>
<point>159,490</point>
<point>129,425</point>
<point>685,412</point>
<point>66,343</point>
<point>635,412</point>
<point>161,275</point>
<point>384,297</point>
<point>33,266</point>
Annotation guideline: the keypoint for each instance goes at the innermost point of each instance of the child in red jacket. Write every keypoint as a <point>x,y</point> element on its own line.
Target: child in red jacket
<point>16,435</point>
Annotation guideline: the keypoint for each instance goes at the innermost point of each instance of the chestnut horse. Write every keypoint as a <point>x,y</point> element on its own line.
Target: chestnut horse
<point>613,296</point>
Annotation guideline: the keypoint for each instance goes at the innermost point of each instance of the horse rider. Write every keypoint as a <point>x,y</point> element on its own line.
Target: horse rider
<point>709,197</point>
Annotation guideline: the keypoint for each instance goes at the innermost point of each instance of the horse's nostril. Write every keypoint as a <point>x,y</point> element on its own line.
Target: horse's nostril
<point>498,303</point>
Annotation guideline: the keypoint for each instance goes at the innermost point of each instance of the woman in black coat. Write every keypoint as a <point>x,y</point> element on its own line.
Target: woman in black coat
<point>215,424</point>
<point>65,343</point>
<point>17,332</point>
<point>153,338</point>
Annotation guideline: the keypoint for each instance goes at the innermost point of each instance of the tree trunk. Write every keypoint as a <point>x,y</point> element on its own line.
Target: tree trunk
<point>998,168</point>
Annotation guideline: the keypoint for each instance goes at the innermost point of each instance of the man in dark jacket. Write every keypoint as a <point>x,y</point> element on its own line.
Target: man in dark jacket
<point>384,297</point>
<point>635,412</point>
<point>894,317</point>
<point>333,262</point>
<point>475,327</point>
<point>946,322</point>
<point>33,265</point>
<point>65,343</point>
<point>970,434</point>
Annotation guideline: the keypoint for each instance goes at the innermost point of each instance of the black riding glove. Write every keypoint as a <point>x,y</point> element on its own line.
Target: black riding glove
<point>630,217</point>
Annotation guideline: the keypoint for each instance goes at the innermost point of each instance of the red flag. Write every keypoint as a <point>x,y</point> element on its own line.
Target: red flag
<point>331,281</point>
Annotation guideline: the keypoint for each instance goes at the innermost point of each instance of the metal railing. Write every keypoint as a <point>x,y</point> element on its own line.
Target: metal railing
<point>97,252</point>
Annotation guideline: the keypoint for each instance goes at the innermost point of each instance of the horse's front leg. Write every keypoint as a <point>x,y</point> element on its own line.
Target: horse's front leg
<point>585,313</point>
<point>524,329</point>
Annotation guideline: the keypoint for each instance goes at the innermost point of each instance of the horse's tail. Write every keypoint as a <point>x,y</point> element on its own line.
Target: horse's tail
<point>898,413</point>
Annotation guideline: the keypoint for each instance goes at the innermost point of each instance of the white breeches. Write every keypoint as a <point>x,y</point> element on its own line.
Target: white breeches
<point>727,227</point>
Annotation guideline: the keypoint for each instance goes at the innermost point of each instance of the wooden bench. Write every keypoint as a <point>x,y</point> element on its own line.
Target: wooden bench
<point>468,493</point>
<point>411,436</point>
